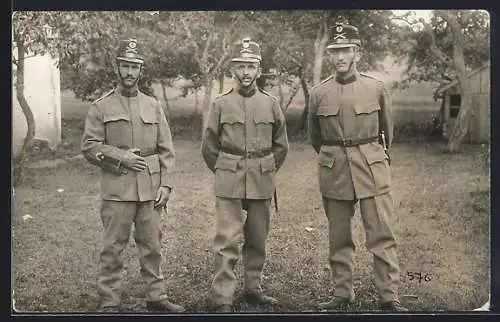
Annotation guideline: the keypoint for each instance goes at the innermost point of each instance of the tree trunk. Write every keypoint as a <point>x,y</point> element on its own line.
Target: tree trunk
<point>221,83</point>
<point>280,90</point>
<point>20,160</point>
<point>196,102</point>
<point>319,48</point>
<point>165,98</point>
<point>207,99</point>
<point>294,90</point>
<point>461,126</point>
<point>306,98</point>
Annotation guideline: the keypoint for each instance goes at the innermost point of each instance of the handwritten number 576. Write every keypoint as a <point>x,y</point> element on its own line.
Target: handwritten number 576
<point>418,276</point>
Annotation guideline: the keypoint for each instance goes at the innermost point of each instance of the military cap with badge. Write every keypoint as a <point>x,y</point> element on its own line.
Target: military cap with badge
<point>129,51</point>
<point>344,35</point>
<point>248,51</point>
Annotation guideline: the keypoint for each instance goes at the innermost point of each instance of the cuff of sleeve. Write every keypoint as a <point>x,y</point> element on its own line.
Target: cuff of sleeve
<point>165,181</point>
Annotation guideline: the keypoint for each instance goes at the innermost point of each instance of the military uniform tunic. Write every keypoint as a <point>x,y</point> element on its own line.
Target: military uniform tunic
<point>351,111</point>
<point>114,124</point>
<point>244,125</point>
<point>244,144</point>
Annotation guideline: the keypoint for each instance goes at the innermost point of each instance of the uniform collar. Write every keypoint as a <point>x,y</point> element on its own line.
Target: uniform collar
<point>247,92</point>
<point>347,80</point>
<point>127,93</point>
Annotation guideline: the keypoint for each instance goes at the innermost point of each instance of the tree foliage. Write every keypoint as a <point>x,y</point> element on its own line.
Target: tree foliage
<point>427,47</point>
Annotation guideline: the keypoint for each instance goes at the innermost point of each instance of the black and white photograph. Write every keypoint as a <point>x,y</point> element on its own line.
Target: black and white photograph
<point>251,162</point>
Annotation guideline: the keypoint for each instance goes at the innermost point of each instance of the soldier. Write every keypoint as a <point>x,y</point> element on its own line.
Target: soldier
<point>244,144</point>
<point>127,136</point>
<point>348,112</point>
<point>267,79</point>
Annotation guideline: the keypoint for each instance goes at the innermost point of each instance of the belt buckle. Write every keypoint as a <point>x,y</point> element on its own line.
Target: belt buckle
<point>248,154</point>
<point>347,143</point>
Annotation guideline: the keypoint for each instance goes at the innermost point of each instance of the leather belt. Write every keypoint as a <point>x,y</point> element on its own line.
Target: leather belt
<point>350,142</point>
<point>146,152</point>
<point>248,154</point>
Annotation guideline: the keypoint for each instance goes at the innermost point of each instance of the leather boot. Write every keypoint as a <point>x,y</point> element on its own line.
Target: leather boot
<point>164,306</point>
<point>335,303</point>
<point>259,298</point>
<point>394,306</point>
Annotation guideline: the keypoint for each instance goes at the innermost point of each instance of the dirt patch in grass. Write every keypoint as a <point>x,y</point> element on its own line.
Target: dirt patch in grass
<point>441,221</point>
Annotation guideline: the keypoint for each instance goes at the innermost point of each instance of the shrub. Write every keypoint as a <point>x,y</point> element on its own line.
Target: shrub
<point>417,131</point>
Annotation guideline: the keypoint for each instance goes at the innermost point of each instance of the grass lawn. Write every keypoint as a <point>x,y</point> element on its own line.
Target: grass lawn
<point>442,223</point>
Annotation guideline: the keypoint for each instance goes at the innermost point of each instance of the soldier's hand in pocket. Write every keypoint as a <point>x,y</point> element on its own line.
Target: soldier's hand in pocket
<point>132,161</point>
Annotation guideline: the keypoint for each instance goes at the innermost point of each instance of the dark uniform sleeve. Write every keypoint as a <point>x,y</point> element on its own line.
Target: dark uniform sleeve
<point>93,145</point>
<point>210,143</point>
<point>313,123</point>
<point>385,116</point>
<point>165,147</point>
<point>280,138</point>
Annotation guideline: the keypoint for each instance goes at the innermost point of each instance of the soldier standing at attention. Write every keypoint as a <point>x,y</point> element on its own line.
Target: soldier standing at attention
<point>244,144</point>
<point>348,112</point>
<point>127,135</point>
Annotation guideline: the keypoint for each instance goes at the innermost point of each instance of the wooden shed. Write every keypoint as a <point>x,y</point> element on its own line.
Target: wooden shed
<point>479,129</point>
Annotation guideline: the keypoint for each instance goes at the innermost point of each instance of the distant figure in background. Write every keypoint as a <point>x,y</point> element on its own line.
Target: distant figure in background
<point>245,144</point>
<point>267,79</point>
<point>127,136</point>
<point>350,127</point>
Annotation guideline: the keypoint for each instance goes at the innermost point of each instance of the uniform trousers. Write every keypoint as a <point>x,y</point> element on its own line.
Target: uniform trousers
<point>117,219</point>
<point>376,215</point>
<point>234,228</point>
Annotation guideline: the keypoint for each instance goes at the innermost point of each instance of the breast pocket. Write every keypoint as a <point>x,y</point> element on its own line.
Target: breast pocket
<point>367,118</point>
<point>264,128</point>
<point>117,129</point>
<point>231,119</point>
<point>328,110</point>
<point>366,107</point>
<point>150,126</point>
<point>233,125</point>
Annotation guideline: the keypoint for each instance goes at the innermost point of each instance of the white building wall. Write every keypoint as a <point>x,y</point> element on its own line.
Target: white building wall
<point>43,94</point>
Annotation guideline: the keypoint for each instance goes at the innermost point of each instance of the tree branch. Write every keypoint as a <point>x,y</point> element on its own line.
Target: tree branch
<point>438,53</point>
<point>205,50</point>
<point>225,46</point>
<point>458,59</point>
<point>193,42</point>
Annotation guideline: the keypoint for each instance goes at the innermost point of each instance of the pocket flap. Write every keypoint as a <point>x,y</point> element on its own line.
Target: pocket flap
<point>328,110</point>
<point>374,153</point>
<point>366,107</point>
<point>115,117</point>
<point>148,116</point>
<point>225,162</point>
<point>231,118</point>
<point>263,118</point>
<point>153,163</point>
<point>326,160</point>
<point>268,163</point>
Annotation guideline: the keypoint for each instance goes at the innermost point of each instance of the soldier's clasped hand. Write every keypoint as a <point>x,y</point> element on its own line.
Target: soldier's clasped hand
<point>133,161</point>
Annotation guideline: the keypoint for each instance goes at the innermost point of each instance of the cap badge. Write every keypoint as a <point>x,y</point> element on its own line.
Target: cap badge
<point>341,36</point>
